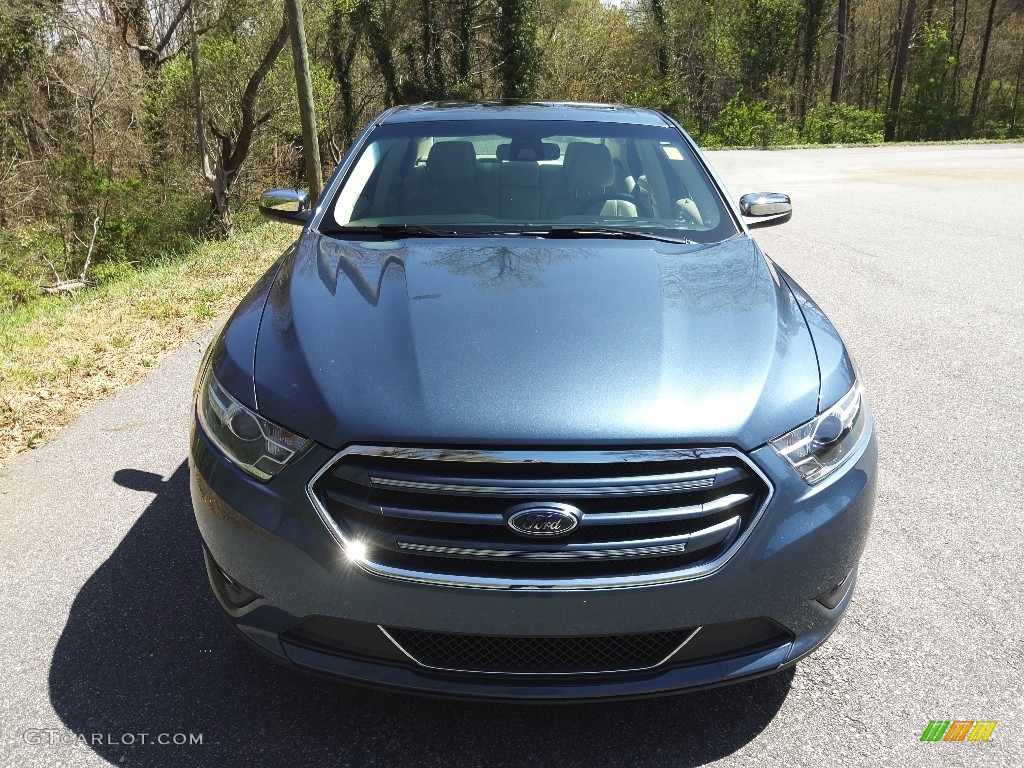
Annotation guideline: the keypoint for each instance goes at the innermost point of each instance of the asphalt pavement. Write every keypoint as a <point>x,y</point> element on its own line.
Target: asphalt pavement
<point>111,643</point>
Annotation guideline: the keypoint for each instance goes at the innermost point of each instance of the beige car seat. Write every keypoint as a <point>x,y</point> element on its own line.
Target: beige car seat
<point>588,175</point>
<point>449,182</point>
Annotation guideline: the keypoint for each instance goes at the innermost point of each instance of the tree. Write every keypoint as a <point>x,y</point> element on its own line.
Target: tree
<point>899,71</point>
<point>467,14</point>
<point>766,36</point>
<point>368,22</point>
<point>986,39</point>
<point>842,23</point>
<point>342,47</point>
<point>660,25</point>
<point>20,44</point>
<point>221,168</point>
<point>590,54</point>
<point>153,47</point>
<point>517,54</point>
<point>812,21</point>
<point>432,60</point>
<point>928,110</point>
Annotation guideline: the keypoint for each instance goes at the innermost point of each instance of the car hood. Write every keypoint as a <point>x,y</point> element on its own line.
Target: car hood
<point>529,341</point>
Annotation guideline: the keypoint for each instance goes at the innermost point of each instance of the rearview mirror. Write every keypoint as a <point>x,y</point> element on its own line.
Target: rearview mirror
<point>766,209</point>
<point>527,151</point>
<point>288,205</point>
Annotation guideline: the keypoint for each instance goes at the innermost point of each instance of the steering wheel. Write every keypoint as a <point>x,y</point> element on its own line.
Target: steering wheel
<point>642,208</point>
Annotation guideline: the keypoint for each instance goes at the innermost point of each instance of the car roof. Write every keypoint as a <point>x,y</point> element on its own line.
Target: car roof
<point>524,110</point>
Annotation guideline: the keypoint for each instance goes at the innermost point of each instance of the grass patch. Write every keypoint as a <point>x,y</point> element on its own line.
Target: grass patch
<point>60,355</point>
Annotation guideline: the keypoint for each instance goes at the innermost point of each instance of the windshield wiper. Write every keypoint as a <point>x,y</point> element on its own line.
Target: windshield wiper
<point>395,230</point>
<point>569,232</point>
<point>555,232</point>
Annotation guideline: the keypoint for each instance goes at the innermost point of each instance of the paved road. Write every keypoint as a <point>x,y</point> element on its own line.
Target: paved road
<point>918,256</point>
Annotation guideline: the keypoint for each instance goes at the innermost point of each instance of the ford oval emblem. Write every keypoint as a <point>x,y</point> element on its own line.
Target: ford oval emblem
<point>543,519</point>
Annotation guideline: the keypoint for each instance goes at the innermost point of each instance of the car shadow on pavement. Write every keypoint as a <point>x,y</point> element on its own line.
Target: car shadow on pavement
<point>145,652</point>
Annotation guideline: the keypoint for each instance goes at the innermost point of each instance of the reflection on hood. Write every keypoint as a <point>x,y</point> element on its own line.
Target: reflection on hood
<point>515,340</point>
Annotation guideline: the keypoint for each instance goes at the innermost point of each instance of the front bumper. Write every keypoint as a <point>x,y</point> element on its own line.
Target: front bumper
<point>270,539</point>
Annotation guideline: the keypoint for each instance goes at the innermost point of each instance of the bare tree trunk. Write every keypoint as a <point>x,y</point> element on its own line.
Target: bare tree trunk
<point>432,63</point>
<point>234,147</point>
<point>465,61</point>
<point>959,47</point>
<point>842,24</point>
<point>240,145</point>
<point>1016,96</point>
<point>132,18</point>
<point>342,41</point>
<point>214,178</point>
<point>899,72</point>
<point>380,47</point>
<point>658,15</point>
<point>813,19</point>
<point>880,57</point>
<point>976,96</point>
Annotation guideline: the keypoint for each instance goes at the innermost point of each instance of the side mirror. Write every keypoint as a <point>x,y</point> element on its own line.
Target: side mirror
<point>766,209</point>
<point>288,205</point>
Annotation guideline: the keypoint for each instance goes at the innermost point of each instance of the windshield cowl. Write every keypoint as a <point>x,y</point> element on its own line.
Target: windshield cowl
<point>564,232</point>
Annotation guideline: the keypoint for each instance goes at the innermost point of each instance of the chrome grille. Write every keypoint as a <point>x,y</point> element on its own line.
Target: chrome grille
<point>440,515</point>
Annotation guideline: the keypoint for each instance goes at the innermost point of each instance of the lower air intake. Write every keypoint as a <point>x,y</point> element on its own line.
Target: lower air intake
<point>539,655</point>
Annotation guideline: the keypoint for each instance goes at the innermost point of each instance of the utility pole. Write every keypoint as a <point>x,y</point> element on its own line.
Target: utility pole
<point>310,141</point>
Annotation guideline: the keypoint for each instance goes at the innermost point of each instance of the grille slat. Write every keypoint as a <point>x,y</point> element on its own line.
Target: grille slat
<point>599,487</point>
<point>593,518</point>
<point>448,518</point>
<point>665,515</point>
<point>648,548</point>
<point>410,513</point>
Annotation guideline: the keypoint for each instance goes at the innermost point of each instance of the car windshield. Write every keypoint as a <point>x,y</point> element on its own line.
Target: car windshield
<point>511,176</point>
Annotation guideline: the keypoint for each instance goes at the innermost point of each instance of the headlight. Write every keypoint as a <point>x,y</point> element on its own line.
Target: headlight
<point>819,447</point>
<point>254,444</point>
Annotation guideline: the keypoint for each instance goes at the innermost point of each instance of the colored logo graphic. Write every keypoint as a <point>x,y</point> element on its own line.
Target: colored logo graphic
<point>958,730</point>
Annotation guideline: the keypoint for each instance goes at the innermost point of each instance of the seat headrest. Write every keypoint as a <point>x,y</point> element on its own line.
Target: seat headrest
<point>520,174</point>
<point>451,162</point>
<point>587,165</point>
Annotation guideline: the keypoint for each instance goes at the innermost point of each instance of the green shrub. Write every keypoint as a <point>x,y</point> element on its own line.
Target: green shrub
<point>140,222</point>
<point>111,272</point>
<point>842,124</point>
<point>929,110</point>
<point>138,217</point>
<point>28,250</point>
<point>15,291</point>
<point>1001,120</point>
<point>742,124</point>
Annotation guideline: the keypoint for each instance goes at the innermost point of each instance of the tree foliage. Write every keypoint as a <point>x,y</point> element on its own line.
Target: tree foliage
<point>515,43</point>
<point>100,120</point>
